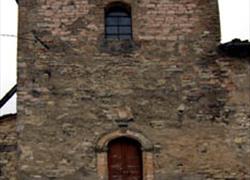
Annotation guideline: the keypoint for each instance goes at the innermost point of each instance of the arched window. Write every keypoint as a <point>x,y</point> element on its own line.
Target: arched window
<point>118,23</point>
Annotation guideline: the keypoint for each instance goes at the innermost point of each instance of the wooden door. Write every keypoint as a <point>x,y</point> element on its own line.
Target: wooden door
<point>124,160</point>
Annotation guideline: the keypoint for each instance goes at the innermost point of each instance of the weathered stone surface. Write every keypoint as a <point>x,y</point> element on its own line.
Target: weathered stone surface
<point>8,147</point>
<point>191,102</point>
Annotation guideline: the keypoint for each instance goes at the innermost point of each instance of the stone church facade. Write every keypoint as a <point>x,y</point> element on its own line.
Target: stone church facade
<point>134,89</point>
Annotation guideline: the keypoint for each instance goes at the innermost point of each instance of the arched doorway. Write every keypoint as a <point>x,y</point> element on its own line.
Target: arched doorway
<point>124,159</point>
<point>138,140</point>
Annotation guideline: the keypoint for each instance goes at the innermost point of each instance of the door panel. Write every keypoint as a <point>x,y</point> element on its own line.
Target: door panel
<point>124,160</point>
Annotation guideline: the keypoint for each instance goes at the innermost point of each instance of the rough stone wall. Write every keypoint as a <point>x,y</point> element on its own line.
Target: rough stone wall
<point>8,147</point>
<point>187,99</point>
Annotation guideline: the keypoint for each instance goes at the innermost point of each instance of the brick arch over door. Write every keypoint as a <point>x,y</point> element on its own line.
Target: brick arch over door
<point>147,153</point>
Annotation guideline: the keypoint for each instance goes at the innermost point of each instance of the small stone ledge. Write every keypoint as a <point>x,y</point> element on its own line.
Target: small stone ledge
<point>235,48</point>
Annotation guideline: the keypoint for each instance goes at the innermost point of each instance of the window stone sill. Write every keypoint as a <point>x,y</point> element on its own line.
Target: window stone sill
<point>116,47</point>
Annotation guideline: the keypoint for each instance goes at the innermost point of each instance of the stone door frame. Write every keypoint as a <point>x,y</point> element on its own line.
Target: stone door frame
<point>147,153</point>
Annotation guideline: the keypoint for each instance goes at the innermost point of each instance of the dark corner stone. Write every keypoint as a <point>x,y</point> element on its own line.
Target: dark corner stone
<point>235,48</point>
<point>7,148</point>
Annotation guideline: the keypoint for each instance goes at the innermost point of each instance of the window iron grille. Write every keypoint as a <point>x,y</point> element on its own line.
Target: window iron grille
<point>118,22</point>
